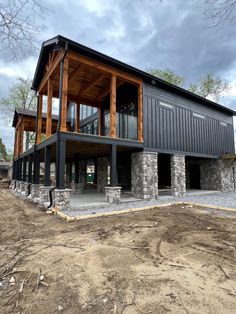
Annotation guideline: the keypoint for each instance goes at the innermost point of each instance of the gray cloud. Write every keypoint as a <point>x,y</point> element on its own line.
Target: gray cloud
<point>144,33</point>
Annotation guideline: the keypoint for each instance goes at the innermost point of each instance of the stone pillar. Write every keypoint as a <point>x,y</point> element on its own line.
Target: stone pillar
<point>34,193</point>
<point>22,187</point>
<point>112,194</point>
<point>217,174</point>
<point>61,199</point>
<point>144,175</point>
<point>82,173</point>
<point>102,173</point>
<point>178,176</point>
<point>44,199</point>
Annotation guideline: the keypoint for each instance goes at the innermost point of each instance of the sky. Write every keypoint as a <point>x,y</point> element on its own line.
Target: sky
<point>143,33</point>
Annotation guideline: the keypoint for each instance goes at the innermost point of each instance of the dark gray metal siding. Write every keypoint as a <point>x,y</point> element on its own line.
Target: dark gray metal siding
<point>178,128</point>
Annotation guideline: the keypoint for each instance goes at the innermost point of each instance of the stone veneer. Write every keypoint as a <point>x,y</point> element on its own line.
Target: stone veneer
<point>144,175</point>
<point>34,193</point>
<point>217,174</point>
<point>44,198</point>
<point>61,199</point>
<point>112,194</point>
<point>102,173</point>
<point>178,179</point>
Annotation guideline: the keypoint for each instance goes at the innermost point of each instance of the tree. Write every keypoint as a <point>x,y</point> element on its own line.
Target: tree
<point>168,76</point>
<point>221,11</point>
<point>18,30</point>
<point>20,95</point>
<point>209,87</point>
<point>3,152</point>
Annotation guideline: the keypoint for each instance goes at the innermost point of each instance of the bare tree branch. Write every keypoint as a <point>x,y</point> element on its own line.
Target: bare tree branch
<point>220,11</point>
<point>18,30</point>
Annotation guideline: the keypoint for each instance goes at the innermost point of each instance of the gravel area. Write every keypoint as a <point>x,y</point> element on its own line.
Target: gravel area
<point>217,199</point>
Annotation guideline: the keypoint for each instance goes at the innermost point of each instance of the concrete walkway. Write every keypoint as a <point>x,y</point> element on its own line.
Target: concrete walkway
<point>197,196</point>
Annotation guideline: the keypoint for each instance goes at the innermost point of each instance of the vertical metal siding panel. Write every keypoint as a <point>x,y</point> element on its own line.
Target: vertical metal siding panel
<point>149,122</point>
<point>154,119</point>
<point>146,121</point>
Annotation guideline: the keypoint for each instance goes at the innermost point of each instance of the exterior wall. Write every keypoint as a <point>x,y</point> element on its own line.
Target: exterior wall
<point>144,175</point>
<point>173,123</point>
<point>178,177</point>
<point>218,175</point>
<point>102,173</point>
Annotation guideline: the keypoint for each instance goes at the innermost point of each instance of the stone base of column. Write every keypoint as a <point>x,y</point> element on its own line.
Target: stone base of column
<point>178,180</point>
<point>17,188</point>
<point>112,194</point>
<point>26,190</point>
<point>61,199</point>
<point>44,199</point>
<point>77,188</point>
<point>12,184</point>
<point>34,193</point>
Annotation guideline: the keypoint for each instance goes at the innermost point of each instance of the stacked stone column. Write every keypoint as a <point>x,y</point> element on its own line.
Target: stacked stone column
<point>178,175</point>
<point>102,173</point>
<point>144,175</point>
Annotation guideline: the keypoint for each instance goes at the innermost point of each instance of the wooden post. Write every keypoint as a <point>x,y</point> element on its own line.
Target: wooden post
<point>64,95</point>
<point>49,108</point>
<point>21,137</point>
<point>113,106</point>
<point>140,112</point>
<point>99,121</point>
<point>39,120</point>
<point>16,144</point>
<point>77,120</point>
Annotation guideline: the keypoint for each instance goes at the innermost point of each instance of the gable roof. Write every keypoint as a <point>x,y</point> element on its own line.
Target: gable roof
<point>29,113</point>
<point>61,42</point>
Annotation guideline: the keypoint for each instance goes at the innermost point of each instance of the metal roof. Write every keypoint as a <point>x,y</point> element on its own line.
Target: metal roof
<point>29,113</point>
<point>60,42</point>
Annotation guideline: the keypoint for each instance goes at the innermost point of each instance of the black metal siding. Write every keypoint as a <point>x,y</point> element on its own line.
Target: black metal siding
<point>178,127</point>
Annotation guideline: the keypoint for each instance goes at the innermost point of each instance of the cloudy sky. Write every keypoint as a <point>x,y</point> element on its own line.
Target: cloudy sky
<point>144,33</point>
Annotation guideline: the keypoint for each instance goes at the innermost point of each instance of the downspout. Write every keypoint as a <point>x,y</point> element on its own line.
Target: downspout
<point>60,105</point>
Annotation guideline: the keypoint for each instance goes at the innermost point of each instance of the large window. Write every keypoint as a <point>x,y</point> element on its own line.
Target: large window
<point>126,122</point>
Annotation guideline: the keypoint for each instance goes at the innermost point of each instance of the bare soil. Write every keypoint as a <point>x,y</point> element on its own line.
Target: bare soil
<point>176,259</point>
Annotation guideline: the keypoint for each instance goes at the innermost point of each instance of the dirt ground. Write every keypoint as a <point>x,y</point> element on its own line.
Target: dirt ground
<point>176,259</point>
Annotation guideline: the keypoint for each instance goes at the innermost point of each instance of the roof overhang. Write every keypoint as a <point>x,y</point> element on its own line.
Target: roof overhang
<point>60,42</point>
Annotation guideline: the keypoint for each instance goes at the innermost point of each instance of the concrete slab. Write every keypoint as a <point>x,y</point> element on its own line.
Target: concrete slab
<point>92,199</point>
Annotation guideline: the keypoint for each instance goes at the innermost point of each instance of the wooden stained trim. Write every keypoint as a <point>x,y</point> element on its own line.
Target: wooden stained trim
<point>99,121</point>
<point>15,143</point>
<point>77,129</point>
<point>106,91</point>
<point>49,109</point>
<point>63,127</point>
<point>113,106</point>
<point>51,70</point>
<point>21,141</point>
<point>92,84</point>
<point>140,112</point>
<point>39,120</point>
<point>104,68</point>
<point>84,100</point>
<point>73,73</point>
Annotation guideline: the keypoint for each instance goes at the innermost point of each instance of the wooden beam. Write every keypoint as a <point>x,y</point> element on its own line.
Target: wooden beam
<point>107,90</point>
<point>49,109</point>
<point>140,113</point>
<point>63,126</point>
<point>77,120</point>
<point>104,67</point>
<point>84,100</point>
<point>21,137</point>
<point>73,73</point>
<point>113,106</point>
<point>92,84</point>
<point>51,70</point>
<point>39,120</point>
